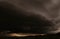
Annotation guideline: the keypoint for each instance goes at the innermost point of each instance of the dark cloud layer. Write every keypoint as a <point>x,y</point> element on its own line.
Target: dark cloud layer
<point>31,16</point>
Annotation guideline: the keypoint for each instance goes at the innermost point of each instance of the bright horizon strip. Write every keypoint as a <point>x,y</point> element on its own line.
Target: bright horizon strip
<point>23,34</point>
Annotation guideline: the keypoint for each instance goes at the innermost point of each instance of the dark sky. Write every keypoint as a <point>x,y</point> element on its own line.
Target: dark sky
<point>31,16</point>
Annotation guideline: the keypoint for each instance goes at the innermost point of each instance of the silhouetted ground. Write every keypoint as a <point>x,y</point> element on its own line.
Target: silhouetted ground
<point>49,36</point>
